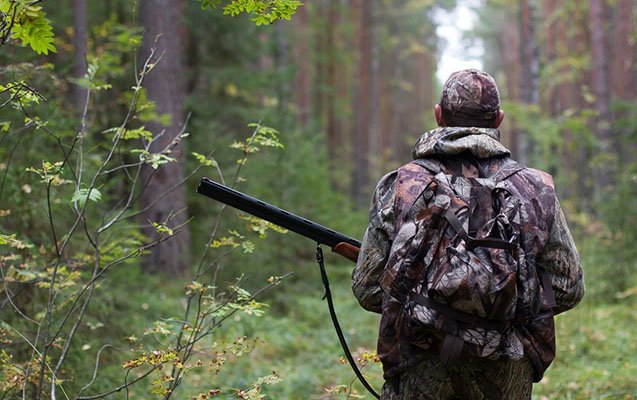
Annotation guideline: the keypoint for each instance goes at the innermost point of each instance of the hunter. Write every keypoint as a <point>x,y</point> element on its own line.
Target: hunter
<point>504,358</point>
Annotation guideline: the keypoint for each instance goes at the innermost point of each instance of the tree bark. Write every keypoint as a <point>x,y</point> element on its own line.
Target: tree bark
<point>334,127</point>
<point>362,100</point>
<point>162,22</point>
<point>623,71</point>
<point>624,48</point>
<point>579,44</point>
<point>529,74</point>
<point>509,46</point>
<point>80,39</point>
<point>598,18</point>
<point>300,56</point>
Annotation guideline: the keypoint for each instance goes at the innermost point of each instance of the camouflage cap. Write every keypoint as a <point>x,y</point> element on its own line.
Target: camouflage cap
<point>470,94</point>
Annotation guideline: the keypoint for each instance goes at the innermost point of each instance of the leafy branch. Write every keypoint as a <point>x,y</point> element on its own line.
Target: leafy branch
<point>263,12</point>
<point>25,21</point>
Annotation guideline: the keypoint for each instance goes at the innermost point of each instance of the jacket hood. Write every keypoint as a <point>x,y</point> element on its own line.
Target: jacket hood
<point>481,142</point>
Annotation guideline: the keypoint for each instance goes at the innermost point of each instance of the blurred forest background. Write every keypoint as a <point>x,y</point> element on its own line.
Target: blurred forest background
<point>119,281</point>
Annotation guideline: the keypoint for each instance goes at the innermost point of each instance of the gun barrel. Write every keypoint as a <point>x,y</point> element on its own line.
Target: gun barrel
<point>273,214</point>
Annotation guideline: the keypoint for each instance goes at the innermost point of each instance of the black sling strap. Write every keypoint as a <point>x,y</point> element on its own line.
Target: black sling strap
<point>337,326</point>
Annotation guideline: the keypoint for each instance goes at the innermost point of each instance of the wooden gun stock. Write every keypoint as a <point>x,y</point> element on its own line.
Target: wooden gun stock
<point>346,250</point>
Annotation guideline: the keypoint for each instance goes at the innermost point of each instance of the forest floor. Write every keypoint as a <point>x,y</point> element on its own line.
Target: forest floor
<point>295,339</point>
<point>597,351</point>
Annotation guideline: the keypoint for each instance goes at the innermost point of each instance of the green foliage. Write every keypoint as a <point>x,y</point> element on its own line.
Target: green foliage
<point>90,80</point>
<point>26,22</point>
<point>596,356</point>
<point>264,137</point>
<point>83,186</point>
<point>264,11</point>
<point>81,195</point>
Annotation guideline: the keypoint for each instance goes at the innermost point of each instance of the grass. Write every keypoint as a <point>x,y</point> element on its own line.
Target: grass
<point>597,351</point>
<point>597,354</point>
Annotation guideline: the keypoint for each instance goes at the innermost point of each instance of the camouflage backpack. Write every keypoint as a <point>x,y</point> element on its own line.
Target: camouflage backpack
<point>455,261</point>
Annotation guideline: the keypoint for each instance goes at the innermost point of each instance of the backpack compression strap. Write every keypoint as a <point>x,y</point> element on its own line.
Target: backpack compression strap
<point>472,242</point>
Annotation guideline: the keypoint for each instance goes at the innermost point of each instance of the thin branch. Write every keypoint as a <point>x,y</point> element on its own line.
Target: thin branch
<point>97,364</point>
<point>78,320</point>
<point>10,300</point>
<point>189,346</point>
<point>7,34</point>
<point>13,149</point>
<point>218,220</point>
<point>121,387</point>
<point>131,198</point>
<point>53,376</point>
<point>59,249</point>
<point>102,272</point>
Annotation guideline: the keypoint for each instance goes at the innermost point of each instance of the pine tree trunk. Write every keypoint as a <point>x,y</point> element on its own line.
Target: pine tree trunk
<point>301,60</point>
<point>598,18</point>
<point>551,55</point>
<point>581,169</point>
<point>162,22</point>
<point>623,70</point>
<point>80,38</point>
<point>362,100</point>
<point>624,47</point>
<point>529,73</point>
<point>334,128</point>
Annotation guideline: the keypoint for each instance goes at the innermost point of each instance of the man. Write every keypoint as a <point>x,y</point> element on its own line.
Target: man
<point>466,143</point>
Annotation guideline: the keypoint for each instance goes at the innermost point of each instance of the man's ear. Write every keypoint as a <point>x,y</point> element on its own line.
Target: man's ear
<point>499,118</point>
<point>438,113</point>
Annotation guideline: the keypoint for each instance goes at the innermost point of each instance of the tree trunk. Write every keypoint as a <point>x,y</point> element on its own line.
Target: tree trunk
<point>623,70</point>
<point>529,74</point>
<point>334,128</point>
<point>80,38</point>
<point>162,22</point>
<point>362,100</point>
<point>300,56</point>
<point>509,51</point>
<point>320,23</point>
<point>598,18</point>
<point>581,169</point>
<point>624,47</point>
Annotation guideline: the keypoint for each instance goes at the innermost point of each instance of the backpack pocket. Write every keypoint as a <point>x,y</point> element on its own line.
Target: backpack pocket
<point>476,267</point>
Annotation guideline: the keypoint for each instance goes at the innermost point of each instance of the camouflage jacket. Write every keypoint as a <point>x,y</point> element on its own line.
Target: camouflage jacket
<point>550,244</point>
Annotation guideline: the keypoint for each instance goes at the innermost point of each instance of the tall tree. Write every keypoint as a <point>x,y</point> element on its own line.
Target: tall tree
<point>623,24</point>
<point>529,74</point>
<point>598,19</point>
<point>163,33</point>
<point>334,126</point>
<point>362,11</point>
<point>80,46</point>
<point>623,75</point>
<point>300,49</point>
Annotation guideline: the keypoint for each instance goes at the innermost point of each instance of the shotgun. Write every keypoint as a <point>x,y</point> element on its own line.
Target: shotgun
<point>338,242</point>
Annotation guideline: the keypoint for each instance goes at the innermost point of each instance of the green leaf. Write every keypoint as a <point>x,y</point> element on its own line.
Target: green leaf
<point>154,159</point>
<point>32,28</point>
<point>205,161</point>
<point>141,132</point>
<point>81,195</point>
<point>161,228</point>
<point>264,12</point>
<point>12,241</point>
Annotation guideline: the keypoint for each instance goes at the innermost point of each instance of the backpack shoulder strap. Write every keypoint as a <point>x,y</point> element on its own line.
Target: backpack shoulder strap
<point>430,164</point>
<point>508,170</point>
